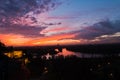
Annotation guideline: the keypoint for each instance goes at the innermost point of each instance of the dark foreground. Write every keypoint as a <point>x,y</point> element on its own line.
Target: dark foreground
<point>69,68</point>
<point>60,67</point>
<point>73,68</point>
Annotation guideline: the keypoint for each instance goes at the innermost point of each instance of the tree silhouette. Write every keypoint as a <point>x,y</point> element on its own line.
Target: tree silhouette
<point>2,47</point>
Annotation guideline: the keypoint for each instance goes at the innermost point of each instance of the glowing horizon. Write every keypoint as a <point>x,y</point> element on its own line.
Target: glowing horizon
<point>52,22</point>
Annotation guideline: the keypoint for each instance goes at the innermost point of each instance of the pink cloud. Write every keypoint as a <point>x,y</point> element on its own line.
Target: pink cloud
<point>57,29</point>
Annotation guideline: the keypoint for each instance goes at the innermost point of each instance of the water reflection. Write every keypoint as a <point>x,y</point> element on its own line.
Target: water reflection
<point>66,52</point>
<point>88,55</point>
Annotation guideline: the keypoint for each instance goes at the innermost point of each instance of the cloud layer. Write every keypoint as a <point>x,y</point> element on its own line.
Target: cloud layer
<point>17,16</point>
<point>105,27</point>
<point>13,8</point>
<point>28,31</point>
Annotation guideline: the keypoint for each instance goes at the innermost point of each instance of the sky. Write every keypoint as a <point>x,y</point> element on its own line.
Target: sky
<point>64,22</point>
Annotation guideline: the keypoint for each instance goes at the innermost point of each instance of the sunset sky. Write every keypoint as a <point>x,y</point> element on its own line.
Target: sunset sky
<point>52,22</point>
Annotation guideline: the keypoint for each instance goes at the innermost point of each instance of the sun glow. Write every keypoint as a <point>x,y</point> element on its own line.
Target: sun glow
<point>12,39</point>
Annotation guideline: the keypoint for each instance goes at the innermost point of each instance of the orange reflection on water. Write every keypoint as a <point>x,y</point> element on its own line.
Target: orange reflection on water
<point>65,52</point>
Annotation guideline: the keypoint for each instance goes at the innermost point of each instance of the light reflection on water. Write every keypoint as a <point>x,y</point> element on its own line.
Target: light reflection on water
<point>65,52</point>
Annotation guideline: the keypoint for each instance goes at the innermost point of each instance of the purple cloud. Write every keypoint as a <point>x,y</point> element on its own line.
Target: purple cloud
<point>105,27</point>
<point>29,31</point>
<point>13,10</point>
<point>21,7</point>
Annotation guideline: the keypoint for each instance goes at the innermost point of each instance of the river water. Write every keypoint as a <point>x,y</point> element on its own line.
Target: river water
<point>66,52</point>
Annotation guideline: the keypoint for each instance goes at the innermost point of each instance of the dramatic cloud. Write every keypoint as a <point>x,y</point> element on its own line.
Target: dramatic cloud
<point>28,31</point>
<point>15,8</point>
<point>105,27</point>
<point>55,39</point>
<point>56,30</point>
<point>17,16</point>
<point>111,38</point>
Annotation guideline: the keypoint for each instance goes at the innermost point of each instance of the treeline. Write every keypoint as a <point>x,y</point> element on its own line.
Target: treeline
<point>97,48</point>
<point>40,50</point>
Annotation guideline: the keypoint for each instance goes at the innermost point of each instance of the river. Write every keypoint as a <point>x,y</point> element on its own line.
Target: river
<point>66,52</point>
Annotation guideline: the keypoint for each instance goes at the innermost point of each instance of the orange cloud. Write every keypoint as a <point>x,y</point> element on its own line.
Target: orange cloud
<point>19,40</point>
<point>51,40</point>
<point>57,29</point>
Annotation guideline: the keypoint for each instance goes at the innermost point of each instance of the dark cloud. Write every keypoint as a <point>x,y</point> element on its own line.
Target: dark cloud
<point>110,40</point>
<point>13,10</point>
<point>50,24</point>
<point>27,31</point>
<point>21,7</point>
<point>105,27</point>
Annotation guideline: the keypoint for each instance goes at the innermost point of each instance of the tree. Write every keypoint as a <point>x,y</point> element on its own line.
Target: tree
<point>2,47</point>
